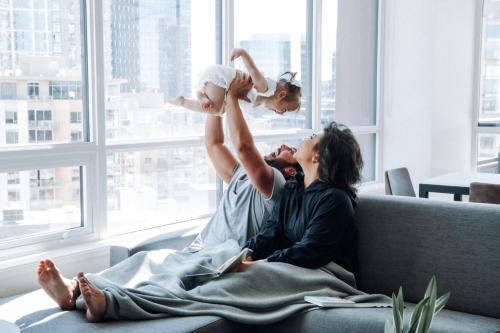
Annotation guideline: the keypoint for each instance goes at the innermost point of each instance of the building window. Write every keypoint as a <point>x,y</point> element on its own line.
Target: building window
<point>39,136</point>
<point>13,178</point>
<point>65,89</point>
<point>33,90</point>
<point>11,137</point>
<point>39,118</point>
<point>11,117</point>
<point>75,117</point>
<point>76,136</point>
<point>8,90</point>
<point>13,195</point>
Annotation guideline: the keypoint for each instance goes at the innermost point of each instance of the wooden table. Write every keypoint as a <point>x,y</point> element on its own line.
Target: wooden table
<point>456,183</point>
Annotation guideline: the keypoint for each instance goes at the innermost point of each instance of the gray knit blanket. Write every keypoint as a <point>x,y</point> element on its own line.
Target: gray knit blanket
<point>156,284</point>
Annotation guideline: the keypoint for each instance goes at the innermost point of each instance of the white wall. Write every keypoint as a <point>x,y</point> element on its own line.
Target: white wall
<point>427,85</point>
<point>453,85</point>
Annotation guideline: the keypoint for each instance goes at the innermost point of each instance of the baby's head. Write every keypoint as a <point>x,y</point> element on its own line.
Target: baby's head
<point>286,98</point>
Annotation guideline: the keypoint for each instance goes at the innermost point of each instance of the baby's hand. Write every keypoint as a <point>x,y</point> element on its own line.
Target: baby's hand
<point>237,53</point>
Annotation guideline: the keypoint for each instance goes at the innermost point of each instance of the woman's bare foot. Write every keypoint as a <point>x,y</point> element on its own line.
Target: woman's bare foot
<point>62,290</point>
<point>94,299</point>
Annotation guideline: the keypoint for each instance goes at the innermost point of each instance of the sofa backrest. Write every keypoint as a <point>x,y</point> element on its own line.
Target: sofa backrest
<point>404,241</point>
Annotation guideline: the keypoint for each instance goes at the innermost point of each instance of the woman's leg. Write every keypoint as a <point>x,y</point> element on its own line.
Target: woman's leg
<point>62,290</point>
<point>94,299</point>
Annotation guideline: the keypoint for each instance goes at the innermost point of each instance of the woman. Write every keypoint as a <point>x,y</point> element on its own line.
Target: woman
<point>313,223</point>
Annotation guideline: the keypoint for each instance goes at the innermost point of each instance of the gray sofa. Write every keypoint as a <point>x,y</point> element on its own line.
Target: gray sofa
<point>402,241</point>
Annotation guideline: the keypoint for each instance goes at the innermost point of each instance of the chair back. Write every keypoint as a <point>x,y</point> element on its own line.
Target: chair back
<point>484,193</point>
<point>398,182</point>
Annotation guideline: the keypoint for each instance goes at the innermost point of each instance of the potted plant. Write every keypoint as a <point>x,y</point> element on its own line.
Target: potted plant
<point>424,312</point>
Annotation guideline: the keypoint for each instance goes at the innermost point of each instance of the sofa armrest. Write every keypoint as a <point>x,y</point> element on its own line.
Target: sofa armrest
<point>175,239</point>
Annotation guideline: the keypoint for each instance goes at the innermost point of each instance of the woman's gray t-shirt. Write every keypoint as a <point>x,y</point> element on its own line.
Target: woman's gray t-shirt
<point>241,212</point>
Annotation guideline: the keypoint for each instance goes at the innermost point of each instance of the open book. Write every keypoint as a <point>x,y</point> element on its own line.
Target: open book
<point>228,265</point>
<point>337,302</point>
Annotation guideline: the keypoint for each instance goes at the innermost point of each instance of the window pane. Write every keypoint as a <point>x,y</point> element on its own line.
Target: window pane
<point>489,113</point>
<point>151,188</point>
<point>154,50</point>
<point>276,39</point>
<point>367,143</point>
<point>328,61</point>
<point>488,153</point>
<point>39,201</point>
<point>29,63</point>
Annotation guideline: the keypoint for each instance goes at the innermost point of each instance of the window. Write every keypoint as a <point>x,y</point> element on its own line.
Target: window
<point>38,196</point>
<point>33,90</point>
<point>10,117</point>
<point>8,90</point>
<point>142,163</point>
<point>13,195</point>
<point>487,134</point>
<point>76,136</point>
<point>11,137</point>
<point>13,178</point>
<point>158,187</point>
<point>278,43</point>
<point>75,117</point>
<point>64,90</point>
<point>155,53</point>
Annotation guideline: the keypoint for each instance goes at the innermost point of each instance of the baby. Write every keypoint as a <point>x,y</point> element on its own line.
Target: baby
<point>281,96</point>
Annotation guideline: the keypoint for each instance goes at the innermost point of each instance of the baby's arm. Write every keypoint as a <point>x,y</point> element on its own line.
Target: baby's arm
<point>259,81</point>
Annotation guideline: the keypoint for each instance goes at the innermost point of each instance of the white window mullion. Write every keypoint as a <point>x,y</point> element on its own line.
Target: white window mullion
<point>96,194</point>
<point>227,30</point>
<point>476,98</point>
<point>315,81</point>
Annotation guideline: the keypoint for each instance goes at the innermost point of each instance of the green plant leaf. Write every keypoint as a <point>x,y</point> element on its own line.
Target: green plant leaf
<point>432,304</point>
<point>441,302</point>
<point>388,327</point>
<point>423,318</point>
<point>401,304</point>
<point>431,286</point>
<point>415,316</point>
<point>396,315</point>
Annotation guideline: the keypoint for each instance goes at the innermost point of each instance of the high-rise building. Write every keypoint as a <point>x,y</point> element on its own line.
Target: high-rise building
<point>271,53</point>
<point>124,43</point>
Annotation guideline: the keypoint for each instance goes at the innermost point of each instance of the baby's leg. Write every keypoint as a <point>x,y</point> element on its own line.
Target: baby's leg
<point>212,98</point>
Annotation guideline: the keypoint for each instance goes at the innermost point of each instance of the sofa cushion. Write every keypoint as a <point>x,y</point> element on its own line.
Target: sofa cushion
<point>371,320</point>
<point>404,241</point>
<point>36,312</point>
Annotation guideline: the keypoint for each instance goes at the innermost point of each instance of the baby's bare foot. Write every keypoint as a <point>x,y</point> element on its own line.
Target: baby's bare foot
<point>179,101</point>
<point>94,299</point>
<point>62,290</point>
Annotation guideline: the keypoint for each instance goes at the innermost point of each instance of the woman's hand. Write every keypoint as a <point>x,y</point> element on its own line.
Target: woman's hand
<point>240,86</point>
<point>245,264</point>
<point>237,53</point>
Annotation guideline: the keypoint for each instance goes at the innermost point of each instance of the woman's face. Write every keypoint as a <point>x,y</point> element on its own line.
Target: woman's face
<point>306,152</point>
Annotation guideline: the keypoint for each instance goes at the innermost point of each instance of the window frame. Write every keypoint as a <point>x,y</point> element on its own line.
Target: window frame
<point>91,154</point>
<point>476,127</point>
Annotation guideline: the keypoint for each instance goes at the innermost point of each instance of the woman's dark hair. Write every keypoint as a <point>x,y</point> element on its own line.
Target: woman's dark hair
<point>293,89</point>
<point>340,160</point>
